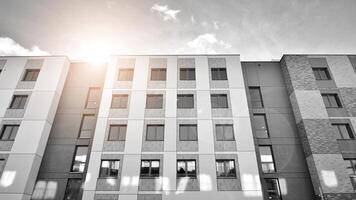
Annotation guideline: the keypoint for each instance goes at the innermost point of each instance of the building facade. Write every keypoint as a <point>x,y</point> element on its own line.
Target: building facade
<point>178,127</point>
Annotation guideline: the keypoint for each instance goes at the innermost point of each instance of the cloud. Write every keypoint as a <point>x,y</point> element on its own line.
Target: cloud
<point>192,19</point>
<point>8,47</point>
<point>207,43</point>
<point>165,12</point>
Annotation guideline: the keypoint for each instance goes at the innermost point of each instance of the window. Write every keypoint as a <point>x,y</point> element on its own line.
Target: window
<point>45,189</point>
<point>256,97</point>
<point>218,74</point>
<point>31,75</point>
<point>224,132</point>
<point>158,74</point>
<point>344,131</point>
<point>117,133</point>
<point>188,132</point>
<point>185,101</point>
<point>93,98</point>
<point>267,160</point>
<point>0,71</point>
<point>126,74</point>
<point>273,189</point>
<point>225,168</point>
<point>2,165</point>
<point>149,168</point>
<point>186,168</point>
<point>154,101</point>
<point>352,166</point>
<point>155,132</point>
<point>8,132</point>
<point>331,100</point>
<point>321,73</point>
<point>87,126</point>
<point>18,102</point>
<point>74,189</point>
<point>119,101</point>
<point>260,124</point>
<point>80,158</point>
<point>187,74</point>
<point>109,168</point>
<point>353,181</point>
<point>219,101</point>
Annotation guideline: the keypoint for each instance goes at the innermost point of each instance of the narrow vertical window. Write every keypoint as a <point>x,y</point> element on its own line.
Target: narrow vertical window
<point>80,159</point>
<point>93,98</point>
<point>256,97</point>
<point>87,126</point>
<point>74,189</point>
<point>260,125</point>
<point>18,102</point>
<point>273,189</point>
<point>267,160</point>
<point>9,132</point>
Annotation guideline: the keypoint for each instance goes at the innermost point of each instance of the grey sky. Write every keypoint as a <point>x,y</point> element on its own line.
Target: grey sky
<point>256,29</point>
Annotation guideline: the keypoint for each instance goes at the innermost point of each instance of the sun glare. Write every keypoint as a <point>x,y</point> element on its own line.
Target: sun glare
<point>94,52</point>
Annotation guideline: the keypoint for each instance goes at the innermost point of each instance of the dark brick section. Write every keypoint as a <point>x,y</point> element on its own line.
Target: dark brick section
<point>348,96</point>
<point>339,196</point>
<point>321,137</point>
<point>353,61</point>
<point>298,73</point>
<point>304,139</point>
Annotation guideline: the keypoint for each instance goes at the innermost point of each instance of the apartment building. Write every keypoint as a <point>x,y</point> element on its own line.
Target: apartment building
<point>178,127</point>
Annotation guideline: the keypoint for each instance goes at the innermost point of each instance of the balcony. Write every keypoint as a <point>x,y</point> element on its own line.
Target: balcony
<point>347,148</point>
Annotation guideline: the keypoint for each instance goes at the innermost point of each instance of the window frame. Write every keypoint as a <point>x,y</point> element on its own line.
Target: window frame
<point>223,134</point>
<point>266,123</point>
<point>156,138</point>
<point>327,96</point>
<point>12,134</point>
<point>158,78</point>
<point>218,76</point>
<point>278,187</point>
<point>109,175</point>
<point>188,138</point>
<point>218,99</point>
<point>348,127</point>
<point>150,175</point>
<point>263,163</point>
<point>78,194</point>
<point>22,96</point>
<point>185,96</point>
<point>184,74</point>
<point>186,174</point>
<point>81,126</point>
<point>119,106</point>
<point>253,101</point>
<point>32,78</point>
<point>120,126</point>
<point>74,161</point>
<point>318,76</point>
<point>126,70</point>
<point>88,101</point>
<point>225,174</point>
<point>152,96</point>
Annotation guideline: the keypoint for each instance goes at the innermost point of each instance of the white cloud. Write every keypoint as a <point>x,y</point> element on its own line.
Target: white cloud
<point>207,43</point>
<point>165,12</point>
<point>8,47</point>
<point>216,25</point>
<point>192,19</point>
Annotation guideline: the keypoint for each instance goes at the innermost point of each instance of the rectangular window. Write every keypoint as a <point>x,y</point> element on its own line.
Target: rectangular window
<point>74,189</point>
<point>331,100</point>
<point>260,124</point>
<point>344,131</point>
<point>149,168</point>
<point>93,98</point>
<point>188,132</point>
<point>80,159</point>
<point>267,160</point>
<point>2,165</point>
<point>256,97</point>
<point>117,133</point>
<point>272,189</point>
<point>158,74</point>
<point>353,181</point>
<point>119,101</point>
<point>225,168</point>
<point>186,168</point>
<point>353,166</point>
<point>187,74</point>
<point>321,73</point>
<point>109,168</point>
<point>218,74</point>
<point>185,101</point>
<point>224,132</point>
<point>18,102</point>
<point>219,101</point>
<point>31,75</point>
<point>87,126</point>
<point>0,71</point>
<point>155,132</point>
<point>154,101</point>
<point>8,132</point>
<point>126,74</point>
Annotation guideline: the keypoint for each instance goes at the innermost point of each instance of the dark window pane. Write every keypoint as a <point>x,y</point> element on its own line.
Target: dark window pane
<point>267,159</point>
<point>273,191</point>
<point>225,168</point>
<point>185,101</point>
<point>9,132</point>
<point>119,101</point>
<point>186,168</point>
<point>145,168</point>
<point>155,168</point>
<point>155,133</point>
<point>218,74</point>
<point>256,97</point>
<point>31,75</point>
<point>219,101</point>
<point>154,101</point>
<point>80,158</point>
<point>181,168</point>
<point>73,190</point>
<point>117,133</point>
<point>331,101</point>
<point>87,126</point>
<point>18,102</point>
<point>188,132</point>
<point>150,168</point>
<point>224,132</point>
<point>158,74</point>
<point>187,74</point>
<point>344,131</point>
<point>260,125</point>
<point>126,74</point>
<point>321,74</point>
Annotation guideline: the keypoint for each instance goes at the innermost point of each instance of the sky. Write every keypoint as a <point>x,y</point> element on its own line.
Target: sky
<point>255,29</point>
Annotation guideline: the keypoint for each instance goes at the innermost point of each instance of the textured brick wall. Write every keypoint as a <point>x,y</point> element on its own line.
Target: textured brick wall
<point>348,96</point>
